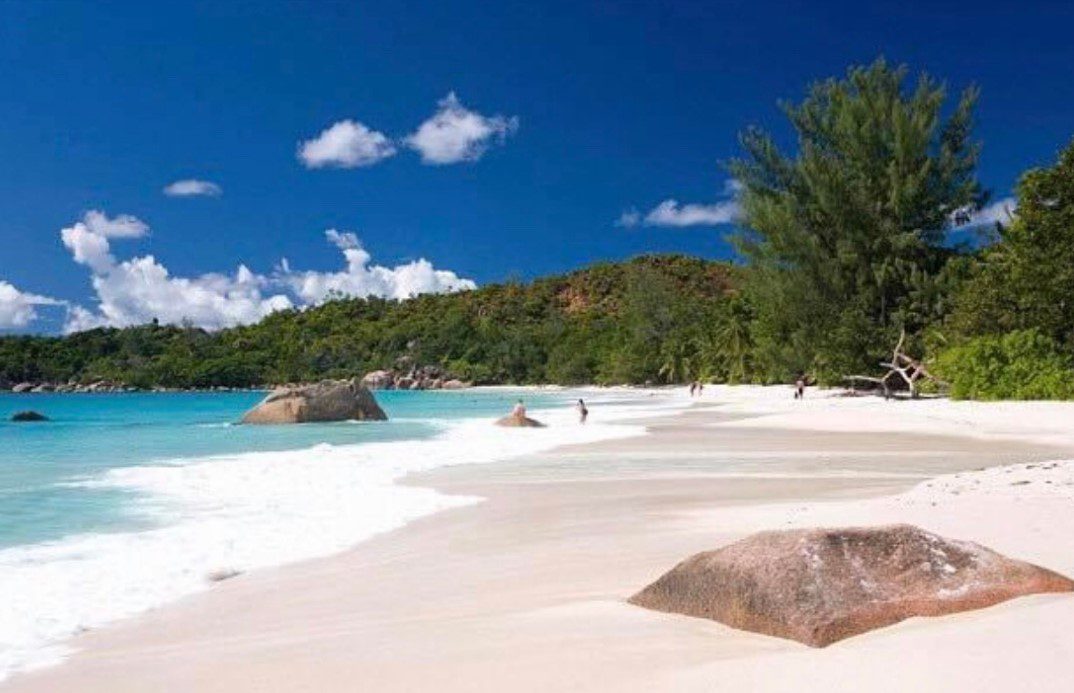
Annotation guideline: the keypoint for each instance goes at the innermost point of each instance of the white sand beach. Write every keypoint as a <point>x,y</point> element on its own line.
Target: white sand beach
<point>527,590</point>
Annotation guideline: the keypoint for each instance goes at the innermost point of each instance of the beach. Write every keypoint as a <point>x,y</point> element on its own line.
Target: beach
<point>526,589</point>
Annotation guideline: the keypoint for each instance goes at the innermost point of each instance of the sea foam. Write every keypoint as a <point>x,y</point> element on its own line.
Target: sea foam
<point>248,511</point>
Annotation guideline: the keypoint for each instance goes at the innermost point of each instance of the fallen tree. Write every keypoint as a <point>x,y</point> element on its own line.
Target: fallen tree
<point>911,373</point>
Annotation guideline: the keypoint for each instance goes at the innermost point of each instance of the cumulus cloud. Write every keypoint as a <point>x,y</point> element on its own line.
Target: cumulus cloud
<point>1001,212</point>
<point>88,239</point>
<point>135,291</point>
<point>347,144</point>
<point>192,187</point>
<point>455,134</point>
<point>18,308</point>
<point>138,290</point>
<point>122,226</point>
<point>359,278</point>
<point>672,213</point>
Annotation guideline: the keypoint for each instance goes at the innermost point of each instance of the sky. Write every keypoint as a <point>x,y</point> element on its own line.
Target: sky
<point>213,162</point>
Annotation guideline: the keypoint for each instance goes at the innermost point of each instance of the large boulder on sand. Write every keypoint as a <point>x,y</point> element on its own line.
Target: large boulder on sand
<point>515,421</point>
<point>328,400</point>
<point>818,586</point>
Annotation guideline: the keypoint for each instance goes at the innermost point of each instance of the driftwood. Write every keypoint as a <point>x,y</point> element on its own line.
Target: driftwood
<point>910,370</point>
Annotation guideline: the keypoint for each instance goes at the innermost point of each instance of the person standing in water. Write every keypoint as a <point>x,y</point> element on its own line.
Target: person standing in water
<point>583,412</point>
<point>519,412</point>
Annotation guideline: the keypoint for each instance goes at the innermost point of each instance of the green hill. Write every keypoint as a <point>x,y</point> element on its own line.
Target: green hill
<point>650,319</point>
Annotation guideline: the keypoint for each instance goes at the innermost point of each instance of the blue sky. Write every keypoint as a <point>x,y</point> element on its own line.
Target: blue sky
<point>585,110</point>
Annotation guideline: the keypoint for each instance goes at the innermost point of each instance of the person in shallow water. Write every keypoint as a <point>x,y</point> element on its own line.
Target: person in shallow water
<point>583,411</point>
<point>519,411</point>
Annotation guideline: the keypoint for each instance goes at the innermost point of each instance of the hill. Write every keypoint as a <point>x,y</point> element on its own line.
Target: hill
<point>650,319</point>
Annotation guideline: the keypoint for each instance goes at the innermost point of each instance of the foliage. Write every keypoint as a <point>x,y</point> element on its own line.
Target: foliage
<point>1024,364</point>
<point>1026,280</point>
<point>646,320</point>
<point>847,237</point>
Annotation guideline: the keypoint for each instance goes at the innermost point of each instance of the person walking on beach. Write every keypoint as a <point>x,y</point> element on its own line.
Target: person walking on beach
<point>693,387</point>
<point>583,411</point>
<point>799,387</point>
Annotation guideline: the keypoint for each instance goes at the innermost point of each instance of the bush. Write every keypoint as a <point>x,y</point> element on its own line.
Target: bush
<point>1025,364</point>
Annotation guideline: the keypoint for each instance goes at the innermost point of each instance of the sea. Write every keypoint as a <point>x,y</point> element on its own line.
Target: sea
<point>121,503</point>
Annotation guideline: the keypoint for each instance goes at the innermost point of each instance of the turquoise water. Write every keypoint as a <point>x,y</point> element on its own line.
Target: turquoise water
<point>41,464</point>
<point>125,502</point>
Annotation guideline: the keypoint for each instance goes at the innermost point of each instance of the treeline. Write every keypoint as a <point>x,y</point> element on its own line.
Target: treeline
<point>845,243</point>
<point>651,319</point>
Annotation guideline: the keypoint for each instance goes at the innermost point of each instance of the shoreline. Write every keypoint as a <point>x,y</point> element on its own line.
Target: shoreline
<point>241,511</point>
<point>130,389</point>
<point>553,525</point>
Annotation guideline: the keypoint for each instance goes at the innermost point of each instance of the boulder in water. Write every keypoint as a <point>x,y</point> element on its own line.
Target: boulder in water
<point>516,421</point>
<point>328,400</point>
<point>27,416</point>
<point>819,586</point>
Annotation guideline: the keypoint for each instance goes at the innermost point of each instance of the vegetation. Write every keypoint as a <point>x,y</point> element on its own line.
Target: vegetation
<point>1024,364</point>
<point>1010,333</point>
<point>847,237</point>
<point>1026,279</point>
<point>846,246</point>
<point>646,320</point>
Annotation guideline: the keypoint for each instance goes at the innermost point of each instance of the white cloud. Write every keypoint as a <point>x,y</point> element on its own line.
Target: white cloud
<point>122,226</point>
<point>18,308</point>
<point>1001,211</point>
<point>88,246</point>
<point>455,133</point>
<point>362,279</point>
<point>672,213</point>
<point>192,187</point>
<point>629,219</point>
<point>732,187</point>
<point>138,290</point>
<point>347,144</point>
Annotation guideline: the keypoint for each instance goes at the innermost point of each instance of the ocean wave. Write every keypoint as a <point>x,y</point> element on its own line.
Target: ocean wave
<point>247,511</point>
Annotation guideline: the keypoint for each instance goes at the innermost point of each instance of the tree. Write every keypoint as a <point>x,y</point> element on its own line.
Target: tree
<point>733,342</point>
<point>844,232</point>
<point>612,322</point>
<point>1026,280</point>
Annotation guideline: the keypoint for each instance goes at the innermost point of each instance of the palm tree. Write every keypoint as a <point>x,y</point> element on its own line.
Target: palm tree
<point>676,357</point>
<point>732,340</point>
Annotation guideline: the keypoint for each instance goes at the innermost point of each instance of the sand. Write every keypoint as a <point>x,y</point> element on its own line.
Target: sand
<point>526,590</point>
